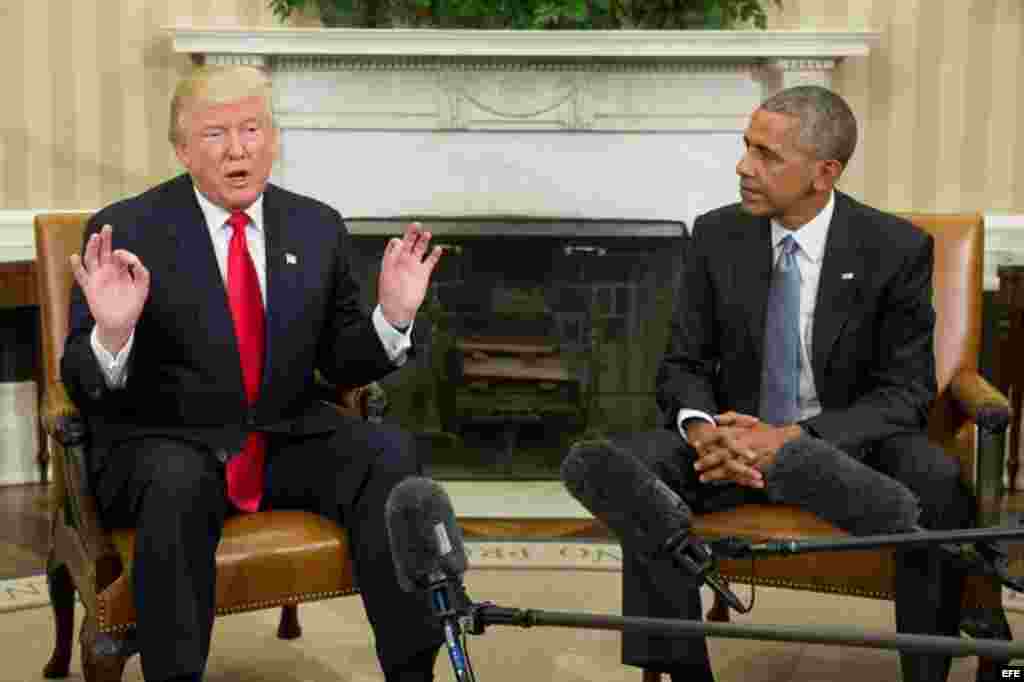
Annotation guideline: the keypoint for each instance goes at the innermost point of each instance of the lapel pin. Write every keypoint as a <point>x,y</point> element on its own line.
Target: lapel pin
<point>290,259</point>
<point>847,275</point>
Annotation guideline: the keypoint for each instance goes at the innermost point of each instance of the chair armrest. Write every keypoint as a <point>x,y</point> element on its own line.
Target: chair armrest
<point>980,401</point>
<point>72,494</point>
<point>56,407</point>
<point>367,402</point>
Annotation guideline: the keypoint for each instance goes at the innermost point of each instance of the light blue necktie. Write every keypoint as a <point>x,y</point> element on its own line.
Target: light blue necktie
<point>780,371</point>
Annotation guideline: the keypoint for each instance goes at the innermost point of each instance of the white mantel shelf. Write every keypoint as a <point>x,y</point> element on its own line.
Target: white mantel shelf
<point>722,45</point>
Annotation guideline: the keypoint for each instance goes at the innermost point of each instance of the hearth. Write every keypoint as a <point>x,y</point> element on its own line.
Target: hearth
<point>535,332</point>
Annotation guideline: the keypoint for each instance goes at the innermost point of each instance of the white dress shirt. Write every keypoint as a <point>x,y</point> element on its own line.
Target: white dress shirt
<point>810,253</point>
<point>396,343</point>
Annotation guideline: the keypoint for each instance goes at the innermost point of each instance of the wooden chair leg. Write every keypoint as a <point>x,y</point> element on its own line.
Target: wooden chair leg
<point>43,457</point>
<point>103,659</point>
<point>985,618</point>
<point>719,611</point>
<point>62,599</point>
<point>289,627</point>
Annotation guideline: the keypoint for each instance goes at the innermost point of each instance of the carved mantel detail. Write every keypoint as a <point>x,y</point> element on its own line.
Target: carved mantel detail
<point>421,79</point>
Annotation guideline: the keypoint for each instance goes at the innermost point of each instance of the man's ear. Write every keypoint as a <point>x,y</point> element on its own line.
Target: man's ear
<point>828,175</point>
<point>181,150</point>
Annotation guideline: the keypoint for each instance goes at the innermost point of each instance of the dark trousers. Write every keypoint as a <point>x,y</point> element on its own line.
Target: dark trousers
<point>928,589</point>
<point>173,493</point>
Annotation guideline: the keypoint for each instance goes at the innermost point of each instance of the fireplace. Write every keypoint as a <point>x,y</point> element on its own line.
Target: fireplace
<point>535,332</point>
<point>537,329</point>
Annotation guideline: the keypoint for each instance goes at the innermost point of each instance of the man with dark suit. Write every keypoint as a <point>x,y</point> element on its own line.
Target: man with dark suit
<point>202,308</point>
<point>800,311</point>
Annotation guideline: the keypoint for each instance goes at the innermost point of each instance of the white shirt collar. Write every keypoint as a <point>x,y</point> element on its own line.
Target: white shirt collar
<point>216,216</point>
<point>810,237</point>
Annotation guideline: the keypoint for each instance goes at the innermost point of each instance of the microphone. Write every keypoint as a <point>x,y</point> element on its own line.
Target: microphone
<point>426,544</point>
<point>815,475</point>
<point>641,509</point>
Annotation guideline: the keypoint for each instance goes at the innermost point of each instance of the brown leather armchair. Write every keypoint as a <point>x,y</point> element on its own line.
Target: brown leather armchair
<point>968,408</point>
<point>265,560</point>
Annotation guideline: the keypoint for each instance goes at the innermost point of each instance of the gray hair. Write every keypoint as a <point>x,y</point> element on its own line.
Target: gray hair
<point>828,128</point>
<point>216,84</point>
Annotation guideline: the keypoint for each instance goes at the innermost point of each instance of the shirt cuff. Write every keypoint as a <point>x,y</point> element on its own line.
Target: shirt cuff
<point>396,343</point>
<point>685,414</point>
<point>112,366</point>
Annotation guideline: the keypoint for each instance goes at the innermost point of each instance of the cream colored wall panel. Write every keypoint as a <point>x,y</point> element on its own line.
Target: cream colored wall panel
<point>976,107</point>
<point>37,126</point>
<point>83,62</point>
<point>12,114</point>
<point>939,188</point>
<point>1003,137</point>
<point>924,128</point>
<point>939,101</point>
<point>120,81</point>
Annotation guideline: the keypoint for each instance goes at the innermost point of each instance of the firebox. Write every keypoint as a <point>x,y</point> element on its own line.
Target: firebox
<point>535,332</point>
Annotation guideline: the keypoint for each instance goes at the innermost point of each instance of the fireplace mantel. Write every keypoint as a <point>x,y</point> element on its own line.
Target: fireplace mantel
<point>415,79</point>
<point>596,124</point>
<point>283,44</point>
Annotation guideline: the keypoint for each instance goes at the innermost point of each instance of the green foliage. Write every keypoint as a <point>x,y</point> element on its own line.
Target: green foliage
<point>537,14</point>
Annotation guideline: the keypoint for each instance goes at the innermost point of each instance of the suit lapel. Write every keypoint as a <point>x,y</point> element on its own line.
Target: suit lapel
<point>752,276</point>
<point>841,273</point>
<point>282,271</point>
<point>201,281</point>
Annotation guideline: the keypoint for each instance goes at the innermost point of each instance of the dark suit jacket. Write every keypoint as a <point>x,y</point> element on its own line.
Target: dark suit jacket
<point>872,342</point>
<point>184,376</point>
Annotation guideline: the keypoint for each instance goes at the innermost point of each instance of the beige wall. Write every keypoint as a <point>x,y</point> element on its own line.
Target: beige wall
<point>86,85</point>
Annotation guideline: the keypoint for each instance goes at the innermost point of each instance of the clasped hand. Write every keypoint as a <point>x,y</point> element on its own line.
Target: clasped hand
<point>737,448</point>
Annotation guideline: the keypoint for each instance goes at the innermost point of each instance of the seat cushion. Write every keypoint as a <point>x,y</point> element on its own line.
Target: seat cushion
<point>265,559</point>
<point>864,573</point>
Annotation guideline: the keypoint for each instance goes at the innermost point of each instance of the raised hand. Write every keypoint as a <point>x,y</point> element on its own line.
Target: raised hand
<point>115,284</point>
<point>405,274</point>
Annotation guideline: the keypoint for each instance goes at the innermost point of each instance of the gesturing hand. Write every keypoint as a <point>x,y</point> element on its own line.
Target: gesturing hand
<point>115,284</point>
<point>405,274</point>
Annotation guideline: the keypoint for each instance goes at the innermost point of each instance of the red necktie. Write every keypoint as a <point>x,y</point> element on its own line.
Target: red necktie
<point>245,470</point>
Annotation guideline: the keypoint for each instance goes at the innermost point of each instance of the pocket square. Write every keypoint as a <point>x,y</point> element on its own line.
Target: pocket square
<point>290,259</point>
<point>847,275</point>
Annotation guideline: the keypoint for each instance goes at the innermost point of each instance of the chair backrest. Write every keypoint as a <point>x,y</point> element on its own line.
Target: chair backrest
<point>58,235</point>
<point>959,248</point>
<point>957,283</point>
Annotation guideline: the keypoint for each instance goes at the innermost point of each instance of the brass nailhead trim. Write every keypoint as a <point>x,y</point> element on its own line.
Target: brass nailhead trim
<point>101,616</point>
<point>828,589</point>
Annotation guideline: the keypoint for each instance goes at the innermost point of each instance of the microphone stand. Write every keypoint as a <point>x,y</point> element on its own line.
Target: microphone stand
<point>443,598</point>
<point>734,547</point>
<point>479,615</point>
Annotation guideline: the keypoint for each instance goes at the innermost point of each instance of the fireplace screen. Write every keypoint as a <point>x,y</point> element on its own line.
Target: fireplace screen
<point>535,332</point>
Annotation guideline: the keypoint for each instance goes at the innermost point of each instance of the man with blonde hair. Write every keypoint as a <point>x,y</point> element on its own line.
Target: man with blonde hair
<point>201,310</point>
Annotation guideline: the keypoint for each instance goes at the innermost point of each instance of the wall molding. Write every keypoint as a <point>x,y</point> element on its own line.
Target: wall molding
<point>1004,244</point>
<point>18,235</point>
<point>276,45</point>
<point>1004,240</point>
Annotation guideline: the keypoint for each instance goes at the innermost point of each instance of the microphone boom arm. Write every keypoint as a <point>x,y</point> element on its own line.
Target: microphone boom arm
<point>733,547</point>
<point>480,615</point>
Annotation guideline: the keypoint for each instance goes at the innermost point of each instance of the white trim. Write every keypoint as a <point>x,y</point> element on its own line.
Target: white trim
<point>18,235</point>
<point>463,43</point>
<point>1004,244</point>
